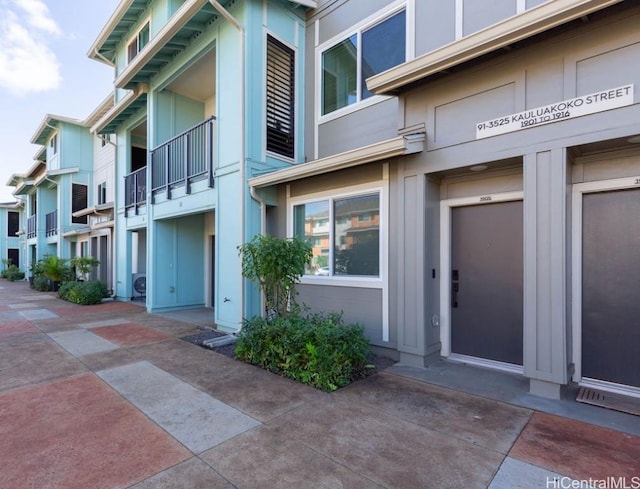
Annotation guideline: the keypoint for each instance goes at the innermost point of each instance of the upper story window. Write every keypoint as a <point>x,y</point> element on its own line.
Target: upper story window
<point>53,144</point>
<point>370,50</point>
<point>343,244</point>
<point>102,193</point>
<point>104,140</point>
<point>78,201</point>
<point>280,98</point>
<point>13,226</point>
<point>139,41</point>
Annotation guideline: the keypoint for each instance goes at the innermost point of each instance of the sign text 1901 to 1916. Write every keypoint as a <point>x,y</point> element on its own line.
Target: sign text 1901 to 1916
<point>567,109</point>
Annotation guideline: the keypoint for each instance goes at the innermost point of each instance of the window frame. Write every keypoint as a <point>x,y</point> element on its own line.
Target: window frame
<point>136,39</point>
<point>357,30</point>
<point>8,233</point>
<point>294,122</point>
<point>53,144</point>
<point>381,188</point>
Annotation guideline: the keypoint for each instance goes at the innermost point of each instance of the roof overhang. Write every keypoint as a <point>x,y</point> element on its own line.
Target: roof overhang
<point>98,113</point>
<point>127,13</point>
<point>534,21</point>
<point>49,125</point>
<point>127,106</point>
<point>391,148</point>
<point>97,210</point>
<point>159,49</point>
<point>24,188</point>
<point>62,171</point>
<point>123,18</point>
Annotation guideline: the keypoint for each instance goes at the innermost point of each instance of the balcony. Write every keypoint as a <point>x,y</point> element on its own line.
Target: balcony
<point>135,189</point>
<point>51,223</point>
<point>31,226</point>
<point>183,159</point>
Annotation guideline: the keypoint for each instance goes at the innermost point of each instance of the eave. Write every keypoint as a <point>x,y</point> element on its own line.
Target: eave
<point>98,113</point>
<point>534,21</point>
<point>48,126</point>
<point>391,148</point>
<point>125,16</point>
<point>159,49</point>
<point>127,106</point>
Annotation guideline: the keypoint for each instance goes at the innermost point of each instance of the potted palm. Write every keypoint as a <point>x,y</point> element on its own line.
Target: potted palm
<point>54,269</point>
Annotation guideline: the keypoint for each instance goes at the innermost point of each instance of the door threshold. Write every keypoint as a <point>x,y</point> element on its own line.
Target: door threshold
<point>485,362</point>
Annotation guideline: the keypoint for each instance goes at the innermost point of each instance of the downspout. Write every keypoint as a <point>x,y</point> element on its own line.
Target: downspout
<point>263,230</point>
<point>241,38</point>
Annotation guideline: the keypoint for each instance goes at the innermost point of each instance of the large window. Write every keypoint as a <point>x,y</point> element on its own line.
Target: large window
<point>139,41</point>
<point>280,98</point>
<point>367,52</point>
<point>344,234</point>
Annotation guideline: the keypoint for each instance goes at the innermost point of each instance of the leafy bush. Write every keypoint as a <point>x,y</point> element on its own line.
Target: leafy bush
<point>316,349</point>
<point>83,292</point>
<point>12,273</point>
<point>41,283</point>
<point>276,265</point>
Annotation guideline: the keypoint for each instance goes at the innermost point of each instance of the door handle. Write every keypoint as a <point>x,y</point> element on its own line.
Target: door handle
<point>455,287</point>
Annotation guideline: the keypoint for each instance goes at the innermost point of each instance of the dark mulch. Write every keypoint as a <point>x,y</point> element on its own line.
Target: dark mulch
<point>378,362</point>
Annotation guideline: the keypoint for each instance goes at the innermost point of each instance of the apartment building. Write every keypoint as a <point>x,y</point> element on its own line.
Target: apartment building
<point>55,186</point>
<point>11,222</point>
<point>494,152</point>
<point>207,94</point>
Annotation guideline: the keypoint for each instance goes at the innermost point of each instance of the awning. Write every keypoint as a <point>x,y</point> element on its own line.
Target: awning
<point>399,146</point>
<point>533,21</point>
<point>97,210</point>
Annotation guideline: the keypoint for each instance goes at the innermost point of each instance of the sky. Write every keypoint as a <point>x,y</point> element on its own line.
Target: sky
<point>44,69</point>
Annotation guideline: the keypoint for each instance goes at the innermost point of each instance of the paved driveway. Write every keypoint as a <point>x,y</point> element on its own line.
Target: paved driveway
<point>109,397</point>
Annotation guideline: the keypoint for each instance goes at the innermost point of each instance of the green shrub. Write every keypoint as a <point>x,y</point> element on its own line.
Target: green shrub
<point>12,273</point>
<point>41,283</point>
<point>315,349</point>
<point>83,292</point>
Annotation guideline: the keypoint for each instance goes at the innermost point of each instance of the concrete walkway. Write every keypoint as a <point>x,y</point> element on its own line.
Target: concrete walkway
<point>108,396</point>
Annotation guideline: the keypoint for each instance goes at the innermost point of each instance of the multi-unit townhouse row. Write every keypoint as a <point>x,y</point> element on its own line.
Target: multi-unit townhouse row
<point>466,171</point>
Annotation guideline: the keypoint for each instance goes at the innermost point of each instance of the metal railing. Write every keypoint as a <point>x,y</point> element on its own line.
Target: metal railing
<point>32,223</point>
<point>183,158</point>
<point>135,188</point>
<point>51,220</point>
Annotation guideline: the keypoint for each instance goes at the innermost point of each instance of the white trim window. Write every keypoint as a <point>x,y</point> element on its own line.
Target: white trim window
<point>138,42</point>
<point>53,144</point>
<point>345,232</point>
<point>371,49</point>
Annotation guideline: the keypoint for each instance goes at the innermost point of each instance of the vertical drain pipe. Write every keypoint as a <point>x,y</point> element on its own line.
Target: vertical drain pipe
<point>233,21</point>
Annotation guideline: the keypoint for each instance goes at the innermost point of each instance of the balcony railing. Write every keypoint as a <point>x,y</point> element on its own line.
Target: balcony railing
<point>135,188</point>
<point>32,226</point>
<point>51,223</point>
<point>184,158</point>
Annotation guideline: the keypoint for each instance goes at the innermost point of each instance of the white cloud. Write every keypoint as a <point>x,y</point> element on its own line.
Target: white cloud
<point>38,16</point>
<point>27,63</point>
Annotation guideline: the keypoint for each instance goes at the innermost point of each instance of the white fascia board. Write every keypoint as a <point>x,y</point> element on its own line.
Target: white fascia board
<point>534,21</point>
<point>111,24</point>
<point>117,109</point>
<point>177,22</point>
<point>306,3</point>
<point>105,106</point>
<point>399,146</point>
<point>62,171</point>
<point>50,119</point>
